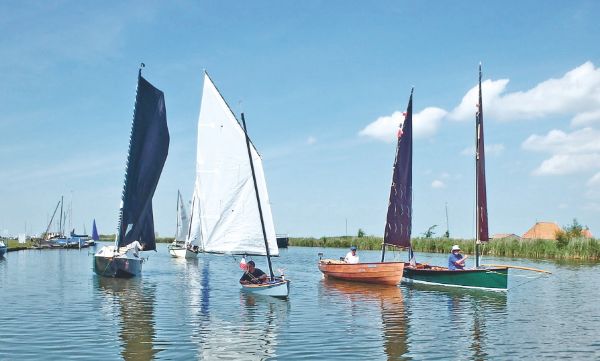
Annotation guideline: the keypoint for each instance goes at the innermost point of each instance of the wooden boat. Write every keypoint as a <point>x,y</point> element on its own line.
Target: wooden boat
<point>494,278</point>
<point>231,213</point>
<point>148,148</point>
<point>387,273</point>
<point>398,225</point>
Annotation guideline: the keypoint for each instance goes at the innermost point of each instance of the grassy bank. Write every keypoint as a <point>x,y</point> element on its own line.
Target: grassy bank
<point>578,248</point>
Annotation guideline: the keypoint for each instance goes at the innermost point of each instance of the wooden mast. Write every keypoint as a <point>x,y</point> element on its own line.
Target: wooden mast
<point>262,221</point>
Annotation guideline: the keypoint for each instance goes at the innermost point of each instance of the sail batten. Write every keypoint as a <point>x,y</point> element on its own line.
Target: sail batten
<point>481,193</point>
<point>399,215</point>
<point>148,148</point>
<point>225,217</point>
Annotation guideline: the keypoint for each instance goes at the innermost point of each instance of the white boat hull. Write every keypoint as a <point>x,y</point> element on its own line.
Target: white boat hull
<point>280,289</point>
<point>182,253</point>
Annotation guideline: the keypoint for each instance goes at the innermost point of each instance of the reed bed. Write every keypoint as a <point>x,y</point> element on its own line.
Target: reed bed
<point>576,248</point>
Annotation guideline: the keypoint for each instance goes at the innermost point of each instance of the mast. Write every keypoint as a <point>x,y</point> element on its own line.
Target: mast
<point>481,217</point>
<point>447,223</point>
<point>60,221</point>
<point>177,215</point>
<point>51,219</point>
<point>120,223</point>
<point>191,220</point>
<point>399,215</point>
<point>262,221</point>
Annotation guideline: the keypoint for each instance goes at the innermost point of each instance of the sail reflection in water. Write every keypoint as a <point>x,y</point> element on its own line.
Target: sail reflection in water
<point>379,303</point>
<point>469,312</point>
<point>131,302</point>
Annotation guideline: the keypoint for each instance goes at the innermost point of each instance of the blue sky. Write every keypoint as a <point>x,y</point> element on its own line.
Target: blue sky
<point>321,84</point>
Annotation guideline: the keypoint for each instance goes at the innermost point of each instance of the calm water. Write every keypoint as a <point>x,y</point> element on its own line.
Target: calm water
<point>52,306</point>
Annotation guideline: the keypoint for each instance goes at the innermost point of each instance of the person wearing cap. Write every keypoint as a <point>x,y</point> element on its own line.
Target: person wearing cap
<point>456,261</point>
<point>351,257</point>
<point>253,275</point>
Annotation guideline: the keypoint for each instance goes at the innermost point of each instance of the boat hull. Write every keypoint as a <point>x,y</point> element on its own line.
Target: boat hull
<point>182,253</point>
<point>387,273</point>
<point>2,251</point>
<point>493,278</point>
<point>279,289</point>
<point>109,264</point>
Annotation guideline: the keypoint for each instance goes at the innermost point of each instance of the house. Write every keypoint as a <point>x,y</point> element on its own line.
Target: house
<point>542,230</point>
<point>498,236</point>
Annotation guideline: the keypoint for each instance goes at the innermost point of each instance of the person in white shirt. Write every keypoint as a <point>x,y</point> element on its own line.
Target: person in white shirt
<point>136,246</point>
<point>351,256</point>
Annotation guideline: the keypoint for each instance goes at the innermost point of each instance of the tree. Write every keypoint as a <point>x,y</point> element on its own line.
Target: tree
<point>430,232</point>
<point>361,233</point>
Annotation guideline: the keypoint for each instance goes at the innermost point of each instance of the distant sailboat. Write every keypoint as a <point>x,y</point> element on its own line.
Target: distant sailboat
<point>95,236</point>
<point>231,213</point>
<point>479,277</point>
<point>148,148</point>
<point>181,247</point>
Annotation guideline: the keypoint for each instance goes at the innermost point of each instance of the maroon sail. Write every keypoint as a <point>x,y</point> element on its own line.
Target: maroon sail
<point>399,215</point>
<point>482,214</point>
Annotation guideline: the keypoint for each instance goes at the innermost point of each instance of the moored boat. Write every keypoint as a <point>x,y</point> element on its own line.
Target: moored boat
<point>3,248</point>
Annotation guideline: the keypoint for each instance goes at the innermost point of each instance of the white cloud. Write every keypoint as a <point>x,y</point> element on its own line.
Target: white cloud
<point>490,149</point>
<point>586,118</point>
<point>575,152</point>
<point>425,124</point>
<point>438,184</point>
<point>594,181</point>
<point>311,140</point>
<point>577,92</point>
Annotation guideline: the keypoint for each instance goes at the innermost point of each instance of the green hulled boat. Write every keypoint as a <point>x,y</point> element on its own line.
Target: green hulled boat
<point>400,216</point>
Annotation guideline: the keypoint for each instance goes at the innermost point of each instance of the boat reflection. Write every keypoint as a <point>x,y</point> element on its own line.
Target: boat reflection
<point>134,302</point>
<point>390,303</point>
<point>466,306</point>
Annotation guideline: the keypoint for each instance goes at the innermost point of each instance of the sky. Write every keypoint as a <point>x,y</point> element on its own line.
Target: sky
<point>323,85</point>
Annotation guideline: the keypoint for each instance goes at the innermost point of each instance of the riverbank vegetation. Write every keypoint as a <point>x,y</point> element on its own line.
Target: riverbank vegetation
<point>565,248</point>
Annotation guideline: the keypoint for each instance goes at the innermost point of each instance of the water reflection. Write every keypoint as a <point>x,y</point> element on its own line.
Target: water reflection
<point>134,303</point>
<point>466,308</point>
<point>387,300</point>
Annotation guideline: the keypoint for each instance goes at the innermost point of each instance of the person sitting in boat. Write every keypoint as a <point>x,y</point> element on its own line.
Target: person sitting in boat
<point>351,257</point>
<point>136,246</point>
<point>456,261</point>
<point>253,275</point>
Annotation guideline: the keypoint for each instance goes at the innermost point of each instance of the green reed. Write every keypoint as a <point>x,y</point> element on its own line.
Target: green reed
<point>575,248</point>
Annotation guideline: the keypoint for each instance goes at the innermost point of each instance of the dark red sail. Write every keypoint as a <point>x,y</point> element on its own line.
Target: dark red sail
<point>482,214</point>
<point>399,215</point>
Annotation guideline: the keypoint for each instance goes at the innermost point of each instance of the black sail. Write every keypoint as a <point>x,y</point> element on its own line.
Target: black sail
<point>482,215</point>
<point>148,148</point>
<point>399,215</point>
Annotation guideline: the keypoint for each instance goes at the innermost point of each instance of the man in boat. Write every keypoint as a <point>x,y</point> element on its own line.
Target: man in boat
<point>253,275</point>
<point>136,246</point>
<point>456,261</point>
<point>351,257</point>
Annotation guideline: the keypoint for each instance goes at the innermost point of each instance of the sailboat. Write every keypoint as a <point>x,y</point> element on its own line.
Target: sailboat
<point>148,148</point>
<point>398,225</point>
<point>95,236</point>
<point>231,213</point>
<point>489,277</point>
<point>181,248</point>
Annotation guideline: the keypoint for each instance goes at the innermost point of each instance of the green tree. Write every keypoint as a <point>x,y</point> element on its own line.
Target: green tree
<point>361,233</point>
<point>430,232</point>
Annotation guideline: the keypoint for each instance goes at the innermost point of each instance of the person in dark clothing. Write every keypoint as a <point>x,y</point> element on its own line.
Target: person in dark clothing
<point>253,275</point>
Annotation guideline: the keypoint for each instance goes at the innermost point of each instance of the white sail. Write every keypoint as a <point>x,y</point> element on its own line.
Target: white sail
<point>183,223</point>
<point>225,216</point>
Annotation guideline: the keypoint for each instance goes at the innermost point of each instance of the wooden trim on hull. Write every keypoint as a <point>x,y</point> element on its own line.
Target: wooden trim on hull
<point>117,267</point>
<point>387,273</point>
<point>495,278</point>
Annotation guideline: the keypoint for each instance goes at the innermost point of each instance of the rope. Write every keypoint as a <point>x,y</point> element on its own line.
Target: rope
<point>524,283</point>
